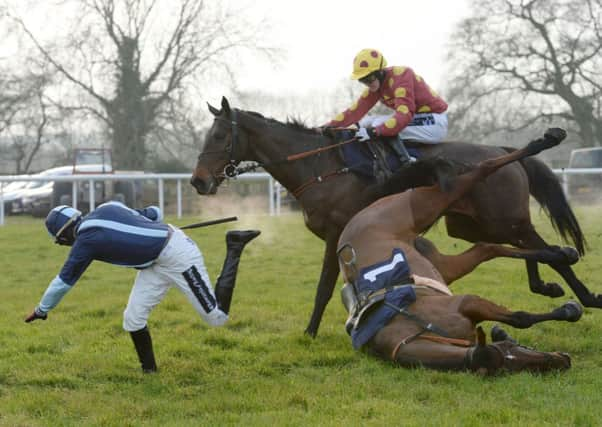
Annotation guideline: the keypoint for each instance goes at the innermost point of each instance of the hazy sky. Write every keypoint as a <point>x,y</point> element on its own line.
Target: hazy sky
<point>321,38</point>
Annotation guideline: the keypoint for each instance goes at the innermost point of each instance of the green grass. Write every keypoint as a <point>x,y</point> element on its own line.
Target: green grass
<point>79,367</point>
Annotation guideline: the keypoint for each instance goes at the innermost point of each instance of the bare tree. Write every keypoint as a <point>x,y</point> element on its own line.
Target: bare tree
<point>26,115</point>
<point>16,90</point>
<point>132,58</point>
<point>518,62</point>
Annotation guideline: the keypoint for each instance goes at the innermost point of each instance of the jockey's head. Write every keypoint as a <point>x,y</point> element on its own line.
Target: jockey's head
<point>368,67</point>
<point>61,222</point>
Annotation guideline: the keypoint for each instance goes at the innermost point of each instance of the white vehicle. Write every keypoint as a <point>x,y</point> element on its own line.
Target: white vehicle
<point>38,197</point>
<point>585,187</point>
<point>11,193</point>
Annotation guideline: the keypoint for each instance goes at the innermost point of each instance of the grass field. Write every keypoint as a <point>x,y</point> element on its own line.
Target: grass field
<point>79,367</point>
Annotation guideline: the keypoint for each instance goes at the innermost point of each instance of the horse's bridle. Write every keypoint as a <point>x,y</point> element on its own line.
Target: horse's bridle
<point>231,170</point>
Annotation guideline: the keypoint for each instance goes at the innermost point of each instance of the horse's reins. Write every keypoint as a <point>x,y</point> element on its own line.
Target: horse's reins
<point>320,178</point>
<point>232,170</point>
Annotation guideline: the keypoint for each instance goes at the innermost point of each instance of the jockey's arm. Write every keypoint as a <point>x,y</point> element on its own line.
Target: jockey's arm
<point>358,110</point>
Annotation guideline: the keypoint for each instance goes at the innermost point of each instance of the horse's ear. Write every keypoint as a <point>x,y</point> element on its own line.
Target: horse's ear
<point>213,110</point>
<point>225,105</point>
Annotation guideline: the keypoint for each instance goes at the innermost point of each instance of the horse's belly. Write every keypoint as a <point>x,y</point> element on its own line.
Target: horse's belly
<point>443,311</point>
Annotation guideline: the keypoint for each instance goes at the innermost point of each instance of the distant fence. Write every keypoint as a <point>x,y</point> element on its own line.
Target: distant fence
<point>272,186</point>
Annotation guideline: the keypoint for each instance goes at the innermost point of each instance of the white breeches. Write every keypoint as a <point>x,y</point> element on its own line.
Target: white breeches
<point>180,264</point>
<point>428,128</point>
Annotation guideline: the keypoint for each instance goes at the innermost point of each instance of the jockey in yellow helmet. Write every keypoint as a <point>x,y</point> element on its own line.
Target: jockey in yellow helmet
<point>419,113</point>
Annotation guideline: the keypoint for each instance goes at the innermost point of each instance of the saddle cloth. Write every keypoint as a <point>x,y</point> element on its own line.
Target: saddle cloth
<point>381,287</point>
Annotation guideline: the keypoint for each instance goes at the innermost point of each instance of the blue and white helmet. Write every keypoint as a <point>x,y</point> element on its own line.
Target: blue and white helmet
<point>60,218</point>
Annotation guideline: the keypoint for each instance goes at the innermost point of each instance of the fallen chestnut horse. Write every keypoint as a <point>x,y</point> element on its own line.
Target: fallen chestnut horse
<point>400,308</point>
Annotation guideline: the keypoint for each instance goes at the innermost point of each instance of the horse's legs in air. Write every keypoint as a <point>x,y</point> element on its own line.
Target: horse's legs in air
<point>428,203</point>
<point>530,239</point>
<point>479,309</point>
<point>453,267</point>
<point>328,278</point>
<point>588,299</point>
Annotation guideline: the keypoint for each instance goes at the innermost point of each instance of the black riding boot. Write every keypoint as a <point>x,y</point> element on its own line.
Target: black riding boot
<point>144,347</point>
<point>401,151</point>
<point>235,243</point>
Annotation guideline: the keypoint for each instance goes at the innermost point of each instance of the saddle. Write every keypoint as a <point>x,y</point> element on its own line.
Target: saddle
<point>374,160</point>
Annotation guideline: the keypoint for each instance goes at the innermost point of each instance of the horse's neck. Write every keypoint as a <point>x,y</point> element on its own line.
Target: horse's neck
<point>272,150</point>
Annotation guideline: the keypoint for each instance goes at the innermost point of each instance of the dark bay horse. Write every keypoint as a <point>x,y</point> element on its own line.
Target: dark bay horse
<point>496,210</point>
<point>402,311</point>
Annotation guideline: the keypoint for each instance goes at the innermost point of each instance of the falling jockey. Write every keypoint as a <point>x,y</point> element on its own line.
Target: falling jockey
<point>164,255</point>
<point>419,113</point>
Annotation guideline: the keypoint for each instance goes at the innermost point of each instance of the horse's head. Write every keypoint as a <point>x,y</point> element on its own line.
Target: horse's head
<point>224,146</point>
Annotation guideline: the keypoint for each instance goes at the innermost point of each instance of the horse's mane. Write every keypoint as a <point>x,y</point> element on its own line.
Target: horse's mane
<point>291,123</point>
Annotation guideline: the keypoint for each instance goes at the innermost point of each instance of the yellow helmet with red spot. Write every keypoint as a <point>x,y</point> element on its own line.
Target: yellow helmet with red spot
<point>367,61</point>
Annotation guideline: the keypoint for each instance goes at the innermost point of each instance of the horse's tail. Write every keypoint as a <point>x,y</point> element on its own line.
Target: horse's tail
<point>418,174</point>
<point>545,187</point>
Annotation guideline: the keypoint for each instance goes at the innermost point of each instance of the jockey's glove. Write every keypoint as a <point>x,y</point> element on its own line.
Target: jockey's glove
<point>36,314</point>
<point>365,134</point>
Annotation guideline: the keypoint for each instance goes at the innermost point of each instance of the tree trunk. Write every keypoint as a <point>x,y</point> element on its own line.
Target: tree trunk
<point>128,139</point>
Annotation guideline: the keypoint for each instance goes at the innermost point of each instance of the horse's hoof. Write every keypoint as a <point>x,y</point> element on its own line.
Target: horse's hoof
<point>567,358</point>
<point>551,138</point>
<point>554,136</point>
<point>552,290</point>
<point>571,254</point>
<point>311,333</point>
<point>572,310</point>
<point>498,334</point>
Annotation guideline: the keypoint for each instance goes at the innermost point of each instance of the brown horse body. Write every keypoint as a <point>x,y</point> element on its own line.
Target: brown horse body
<point>496,210</point>
<point>394,223</point>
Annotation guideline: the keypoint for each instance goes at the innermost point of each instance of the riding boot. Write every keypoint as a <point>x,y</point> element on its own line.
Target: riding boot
<point>401,151</point>
<point>224,287</point>
<point>144,347</point>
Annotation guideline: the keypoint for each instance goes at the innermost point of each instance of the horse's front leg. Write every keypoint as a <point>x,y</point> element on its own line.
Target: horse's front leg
<point>328,278</point>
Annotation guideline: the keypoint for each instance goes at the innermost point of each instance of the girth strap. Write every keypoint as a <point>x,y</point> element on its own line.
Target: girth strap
<point>426,325</point>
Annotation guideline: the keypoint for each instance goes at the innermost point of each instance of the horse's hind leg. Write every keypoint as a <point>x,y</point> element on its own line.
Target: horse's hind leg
<point>432,355</point>
<point>428,204</point>
<point>483,359</point>
<point>453,267</point>
<point>394,343</point>
<point>588,299</point>
<point>478,309</point>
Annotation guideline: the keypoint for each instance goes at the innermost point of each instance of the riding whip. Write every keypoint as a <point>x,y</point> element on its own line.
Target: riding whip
<point>206,223</point>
